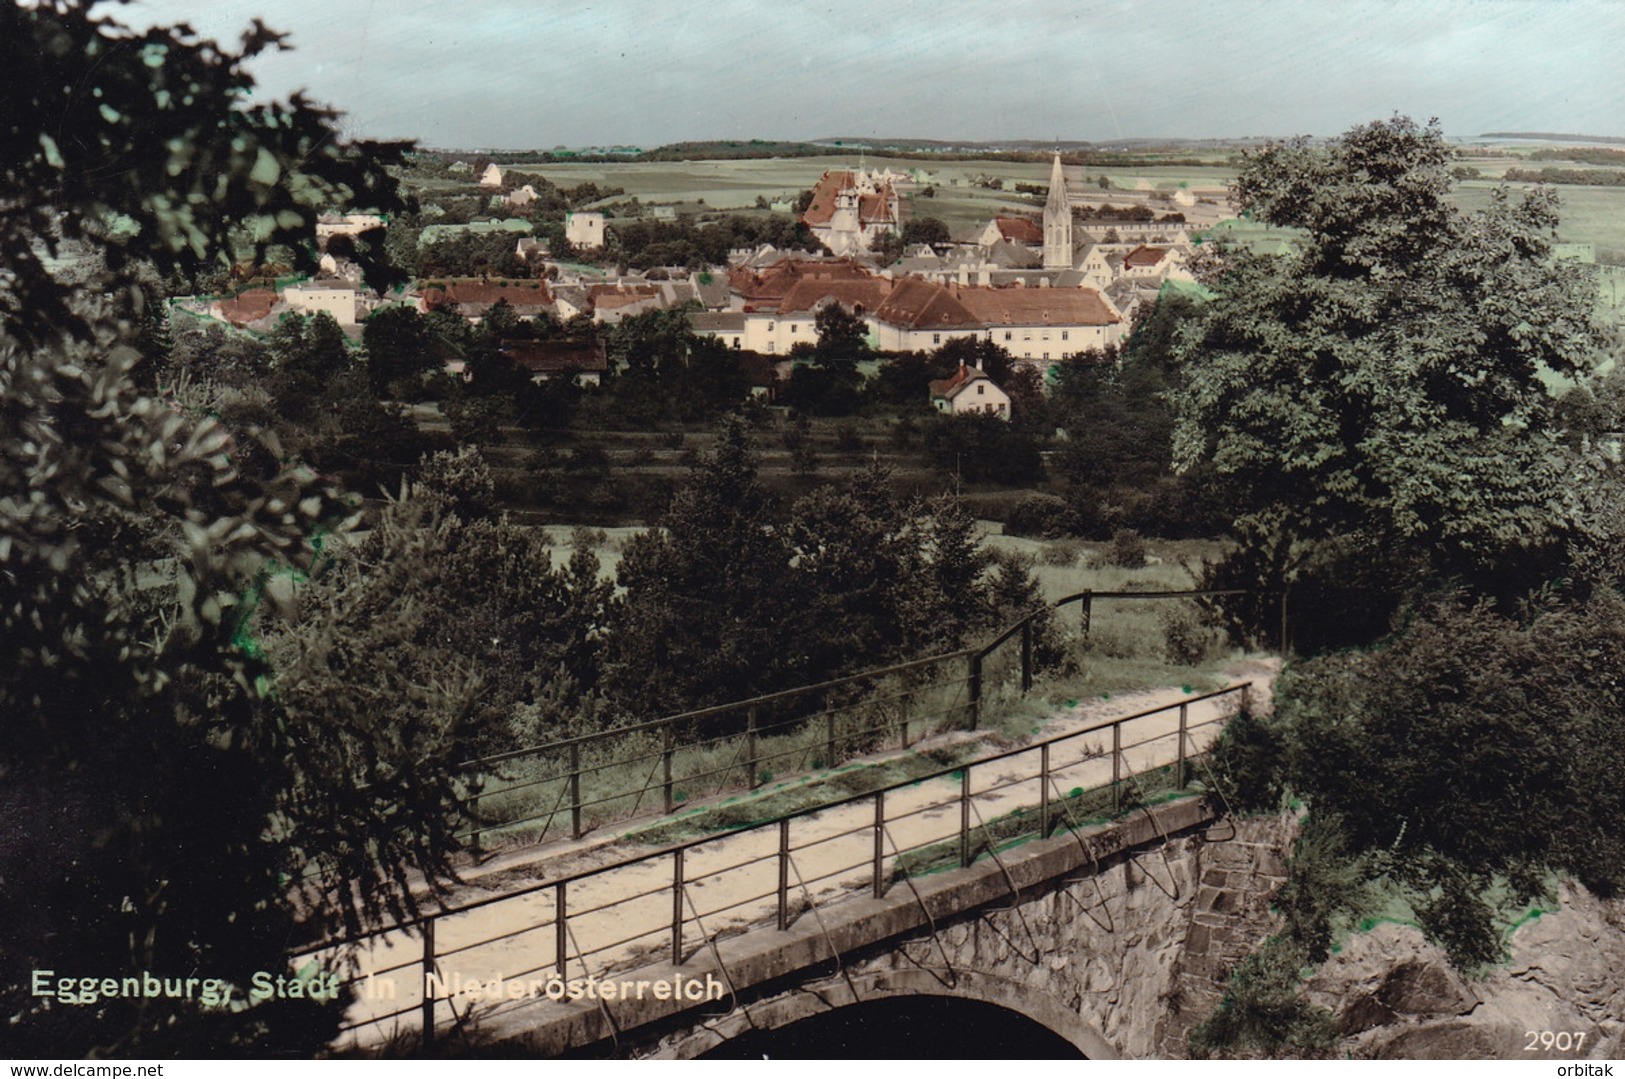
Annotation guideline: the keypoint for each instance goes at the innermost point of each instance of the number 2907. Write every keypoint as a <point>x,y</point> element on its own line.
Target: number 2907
<point>1563,1041</point>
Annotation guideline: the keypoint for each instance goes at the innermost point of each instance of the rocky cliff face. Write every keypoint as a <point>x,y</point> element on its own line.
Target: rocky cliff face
<point>1561,997</point>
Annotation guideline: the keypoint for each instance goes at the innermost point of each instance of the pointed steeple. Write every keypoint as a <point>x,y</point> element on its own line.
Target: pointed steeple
<point>1057,221</point>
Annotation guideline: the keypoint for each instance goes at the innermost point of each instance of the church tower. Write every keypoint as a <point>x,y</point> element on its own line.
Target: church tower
<point>1057,222</point>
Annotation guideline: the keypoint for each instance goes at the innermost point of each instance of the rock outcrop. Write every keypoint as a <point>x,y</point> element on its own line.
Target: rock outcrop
<point>1395,995</point>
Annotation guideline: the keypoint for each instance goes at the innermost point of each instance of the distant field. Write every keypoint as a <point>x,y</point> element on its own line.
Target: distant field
<point>1590,214</point>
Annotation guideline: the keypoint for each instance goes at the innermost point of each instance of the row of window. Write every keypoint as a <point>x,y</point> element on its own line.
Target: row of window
<point>1009,335</point>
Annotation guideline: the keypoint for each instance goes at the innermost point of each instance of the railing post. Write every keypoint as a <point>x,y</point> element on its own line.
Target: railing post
<point>907,707</point>
<point>665,765</point>
<point>964,816</point>
<point>575,790</point>
<point>473,799</point>
<point>880,844</point>
<point>974,690</point>
<point>428,994</point>
<point>1088,609</point>
<point>1247,697</point>
<point>750,746</point>
<point>677,909</point>
<point>1043,791</point>
<point>560,930</point>
<point>1027,654</point>
<point>1180,775</point>
<point>784,874</point>
<point>1117,761</point>
<point>829,734</point>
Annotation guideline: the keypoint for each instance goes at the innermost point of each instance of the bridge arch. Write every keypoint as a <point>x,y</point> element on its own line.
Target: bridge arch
<point>829,997</point>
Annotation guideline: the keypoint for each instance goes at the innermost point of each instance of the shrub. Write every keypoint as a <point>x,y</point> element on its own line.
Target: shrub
<point>1186,641</point>
<point>1263,1011</point>
<point>1061,553</point>
<point>1043,516</point>
<point>1127,549</point>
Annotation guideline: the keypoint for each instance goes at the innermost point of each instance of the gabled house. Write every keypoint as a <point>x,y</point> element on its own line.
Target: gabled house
<point>969,390</point>
<point>492,176</point>
<point>726,326</point>
<point>1013,230</point>
<point>611,303</point>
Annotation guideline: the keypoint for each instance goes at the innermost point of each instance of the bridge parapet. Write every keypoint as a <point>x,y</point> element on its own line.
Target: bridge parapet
<point>891,844</point>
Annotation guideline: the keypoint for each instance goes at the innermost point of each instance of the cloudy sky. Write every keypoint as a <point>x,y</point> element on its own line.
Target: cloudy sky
<point>538,73</point>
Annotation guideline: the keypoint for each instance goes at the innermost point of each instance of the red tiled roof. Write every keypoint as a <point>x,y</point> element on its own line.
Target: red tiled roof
<point>765,288</point>
<point>920,305</point>
<point>481,292</point>
<point>1020,230</point>
<point>1037,306</point>
<point>861,293</point>
<point>948,388</point>
<point>609,297</point>
<point>822,207</point>
<point>248,306</point>
<point>872,209</point>
<point>875,209</point>
<point>1144,256</point>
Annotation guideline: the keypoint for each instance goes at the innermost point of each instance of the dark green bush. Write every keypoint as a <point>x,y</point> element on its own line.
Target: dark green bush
<point>1042,516</point>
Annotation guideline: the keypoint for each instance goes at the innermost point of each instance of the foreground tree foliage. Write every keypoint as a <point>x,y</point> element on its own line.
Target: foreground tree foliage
<point>156,811</point>
<point>1378,389</point>
<point>1375,401</point>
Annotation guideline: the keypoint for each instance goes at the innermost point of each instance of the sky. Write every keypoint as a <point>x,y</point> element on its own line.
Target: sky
<point>520,74</point>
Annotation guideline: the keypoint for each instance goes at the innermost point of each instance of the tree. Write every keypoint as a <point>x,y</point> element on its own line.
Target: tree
<point>704,607</point>
<point>925,230</point>
<point>1377,389</point>
<point>842,335</point>
<point>156,812</point>
<point>399,347</point>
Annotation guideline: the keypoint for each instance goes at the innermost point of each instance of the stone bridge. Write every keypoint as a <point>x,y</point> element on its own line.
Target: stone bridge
<point>1115,940</point>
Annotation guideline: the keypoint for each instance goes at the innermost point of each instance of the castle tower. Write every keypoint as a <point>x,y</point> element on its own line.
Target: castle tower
<point>1057,222</point>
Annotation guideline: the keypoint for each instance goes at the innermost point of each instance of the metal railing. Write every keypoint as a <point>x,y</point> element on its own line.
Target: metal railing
<point>568,785</point>
<point>1086,599</point>
<point>571,784</point>
<point>626,914</point>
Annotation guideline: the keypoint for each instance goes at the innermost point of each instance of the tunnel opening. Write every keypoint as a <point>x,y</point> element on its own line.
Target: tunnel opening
<point>904,1028</point>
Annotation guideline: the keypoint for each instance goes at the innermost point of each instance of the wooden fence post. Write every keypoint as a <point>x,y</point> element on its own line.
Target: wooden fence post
<point>1027,654</point>
<point>428,996</point>
<point>974,690</point>
<point>575,790</point>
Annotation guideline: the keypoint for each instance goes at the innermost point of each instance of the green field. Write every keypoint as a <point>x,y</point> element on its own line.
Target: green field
<point>1590,214</point>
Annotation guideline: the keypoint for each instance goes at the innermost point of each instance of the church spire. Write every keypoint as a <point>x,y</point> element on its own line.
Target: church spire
<point>1057,221</point>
